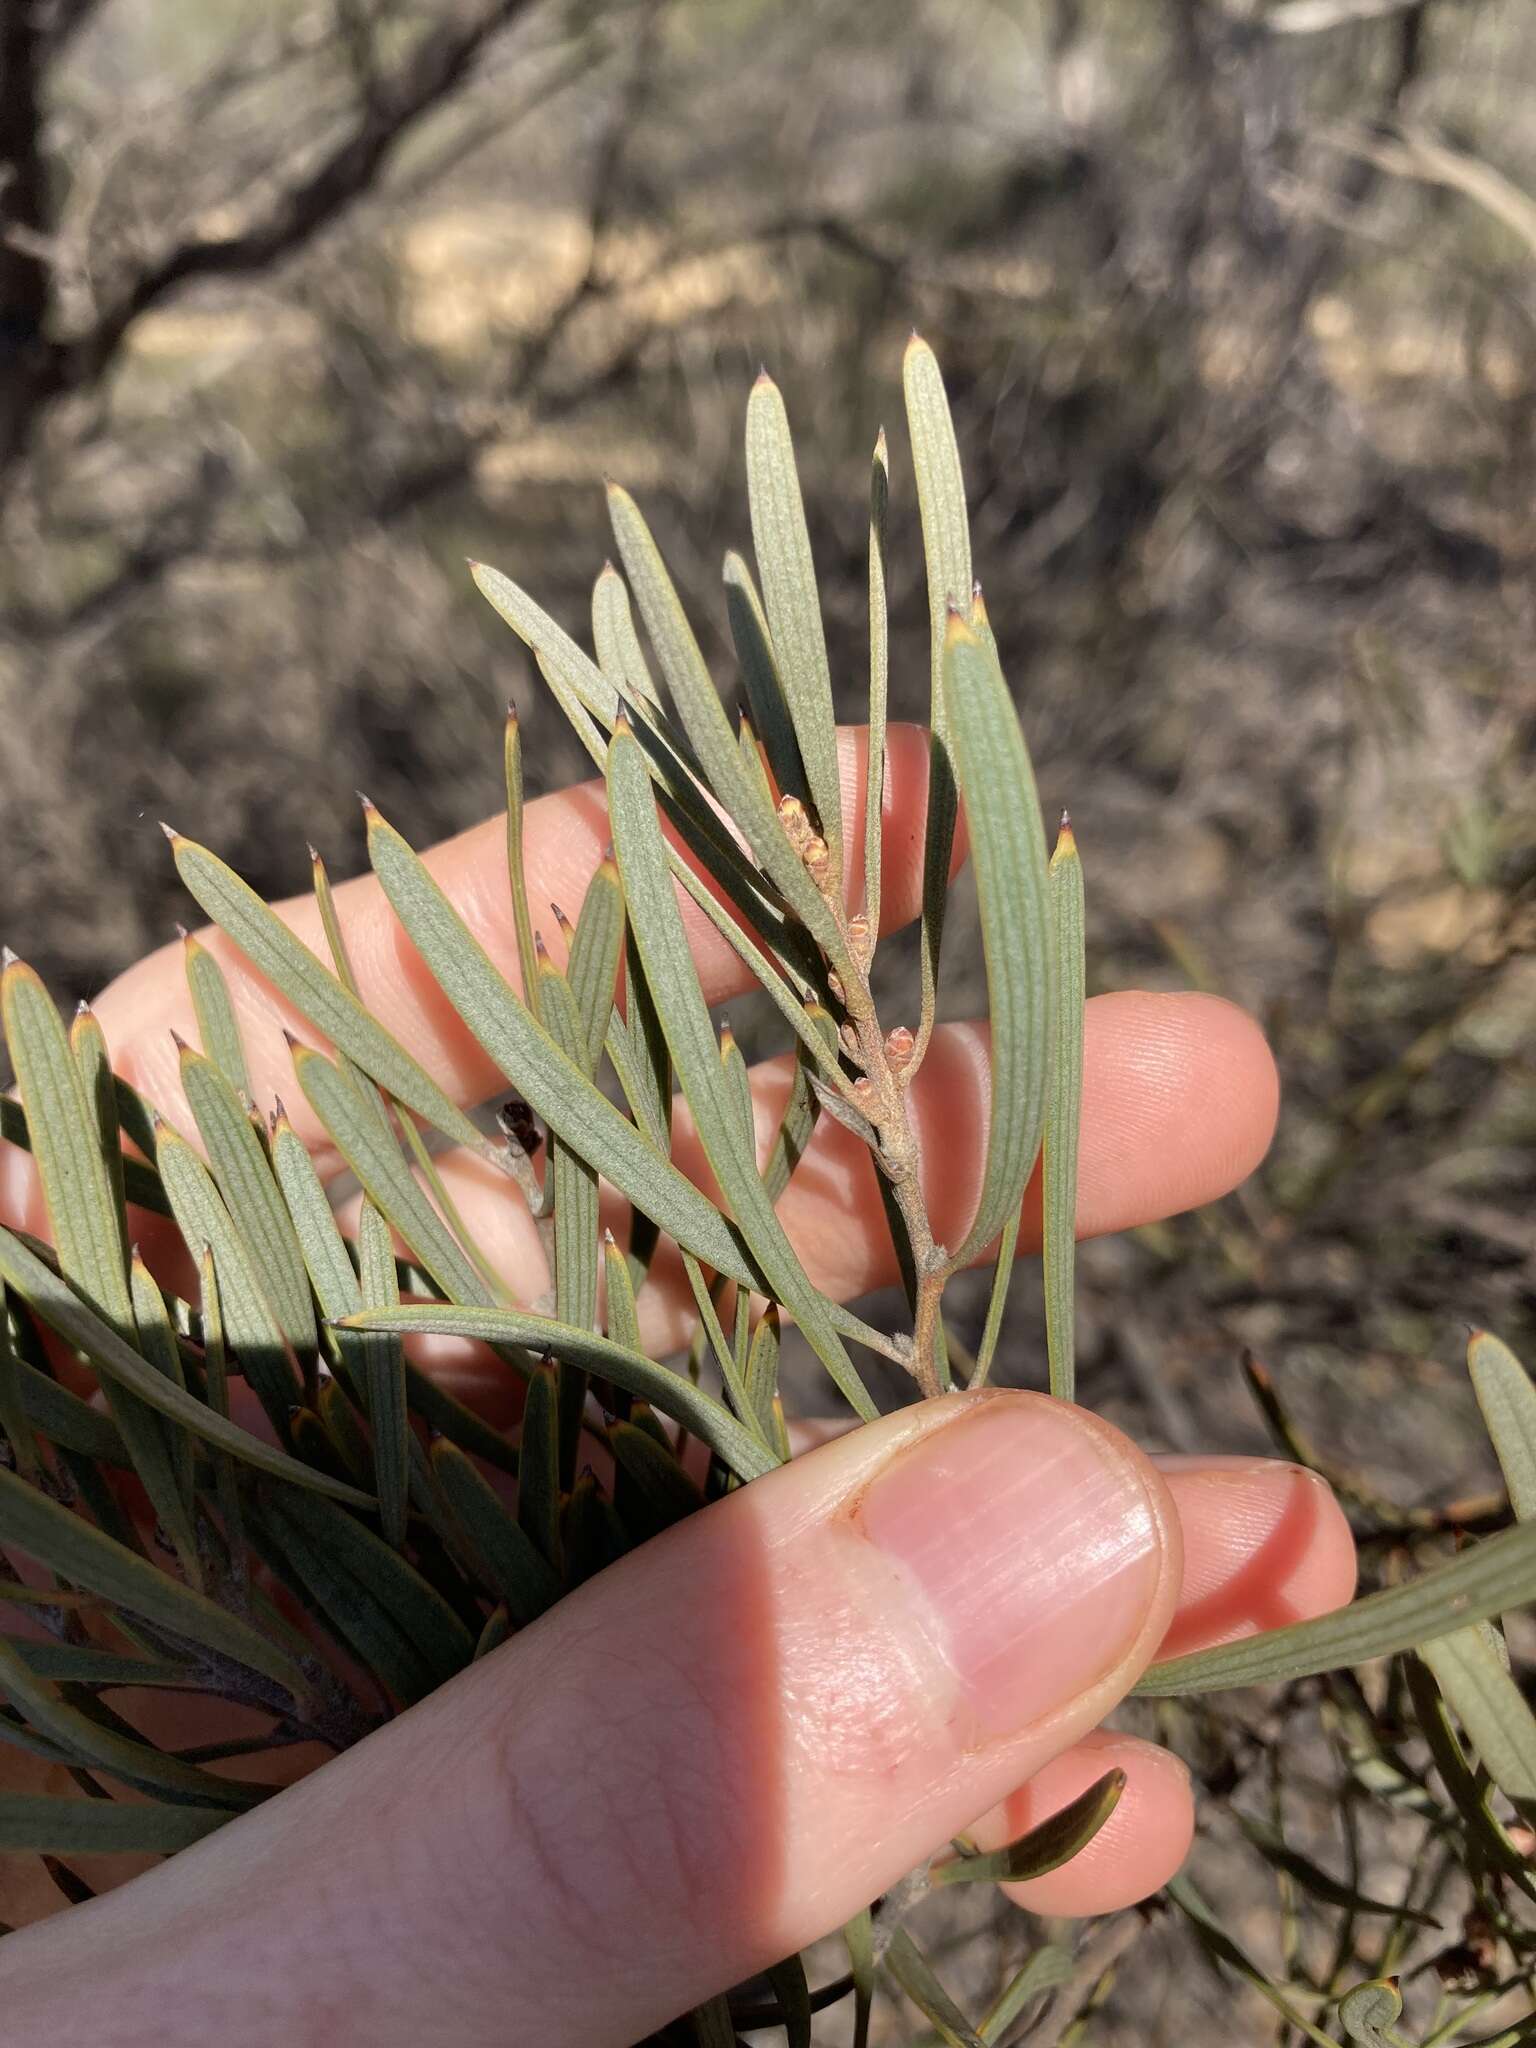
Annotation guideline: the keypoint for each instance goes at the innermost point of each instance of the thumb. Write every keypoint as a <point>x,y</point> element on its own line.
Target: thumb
<point>712,1754</point>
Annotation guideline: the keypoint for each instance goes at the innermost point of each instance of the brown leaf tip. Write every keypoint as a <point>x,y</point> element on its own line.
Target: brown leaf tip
<point>171,833</point>
<point>8,958</point>
<point>178,1041</point>
<point>315,860</point>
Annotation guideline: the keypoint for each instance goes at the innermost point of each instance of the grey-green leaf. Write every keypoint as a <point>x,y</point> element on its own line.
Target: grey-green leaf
<point>1063,1111</point>
<point>911,1969</point>
<point>1489,1705</point>
<point>244,1176</point>
<point>703,1417</point>
<point>215,1012</point>
<point>557,1089</point>
<point>286,961</point>
<point>1507,1397</point>
<point>996,780</point>
<point>664,951</point>
<point>793,604</point>
<point>1487,1579</point>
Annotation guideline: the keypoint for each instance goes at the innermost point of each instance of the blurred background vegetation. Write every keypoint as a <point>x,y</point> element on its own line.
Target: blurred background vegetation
<point>300,304</point>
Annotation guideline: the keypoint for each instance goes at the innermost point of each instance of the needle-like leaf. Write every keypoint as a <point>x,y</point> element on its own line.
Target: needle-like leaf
<point>1044,1848</point>
<point>101,1827</point>
<point>517,1569</point>
<point>1488,1578</point>
<point>703,1417</point>
<point>879,683</point>
<point>85,1557</point>
<point>269,945</point>
<point>1507,1397</point>
<point>556,1088</point>
<point>1063,1111</point>
<point>243,1172</point>
<point>947,552</point>
<point>54,1301</point>
<point>1008,853</point>
<point>760,681</point>
<point>383,1375</point>
<point>215,1012</point>
<point>251,1323</point>
<point>664,952</point>
<point>792,602</point>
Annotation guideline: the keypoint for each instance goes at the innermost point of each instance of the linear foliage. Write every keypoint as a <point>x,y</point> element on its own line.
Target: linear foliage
<point>354,1518</point>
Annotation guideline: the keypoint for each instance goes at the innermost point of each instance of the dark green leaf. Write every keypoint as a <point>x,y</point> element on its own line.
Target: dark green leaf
<point>787,1980</point>
<point>668,1492</point>
<point>100,1827</point>
<point>760,680</point>
<point>516,1569</point>
<point>593,966</point>
<point>85,1557</point>
<point>369,1580</point>
<point>538,1468</point>
<point>382,1370</point>
<point>1046,1847</point>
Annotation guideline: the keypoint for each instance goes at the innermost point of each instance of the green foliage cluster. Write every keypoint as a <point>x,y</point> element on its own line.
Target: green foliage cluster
<point>373,1528</point>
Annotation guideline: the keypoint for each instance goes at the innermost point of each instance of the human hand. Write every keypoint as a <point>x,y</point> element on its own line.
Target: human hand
<point>725,1745</point>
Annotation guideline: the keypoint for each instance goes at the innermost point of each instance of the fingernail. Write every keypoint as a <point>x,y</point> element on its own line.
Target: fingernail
<point>1031,1547</point>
